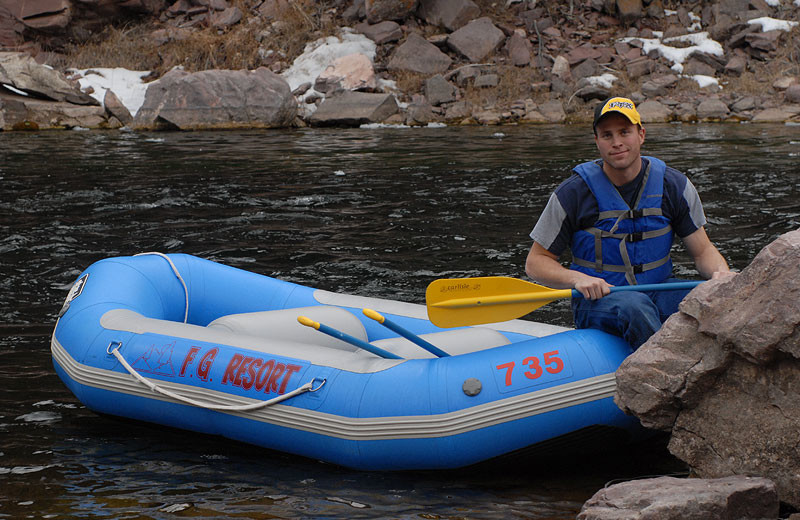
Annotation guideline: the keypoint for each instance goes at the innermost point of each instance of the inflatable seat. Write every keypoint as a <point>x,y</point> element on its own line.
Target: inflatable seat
<point>283,325</point>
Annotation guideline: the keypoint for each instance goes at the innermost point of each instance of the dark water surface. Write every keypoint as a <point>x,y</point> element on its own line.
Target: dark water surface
<point>372,212</point>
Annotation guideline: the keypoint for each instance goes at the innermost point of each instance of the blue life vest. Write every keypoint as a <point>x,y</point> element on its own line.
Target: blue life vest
<point>625,246</point>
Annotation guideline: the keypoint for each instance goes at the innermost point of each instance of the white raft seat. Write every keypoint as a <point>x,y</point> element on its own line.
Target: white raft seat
<point>283,325</point>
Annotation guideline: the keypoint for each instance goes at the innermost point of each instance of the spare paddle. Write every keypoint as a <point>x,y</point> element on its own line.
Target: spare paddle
<point>330,331</point>
<point>455,302</point>
<point>389,324</point>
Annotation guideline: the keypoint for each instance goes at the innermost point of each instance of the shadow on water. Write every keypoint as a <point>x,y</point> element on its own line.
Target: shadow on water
<point>371,212</point>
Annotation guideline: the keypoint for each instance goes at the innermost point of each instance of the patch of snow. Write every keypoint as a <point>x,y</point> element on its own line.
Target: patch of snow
<point>128,85</point>
<point>604,80</point>
<point>772,24</point>
<point>705,81</point>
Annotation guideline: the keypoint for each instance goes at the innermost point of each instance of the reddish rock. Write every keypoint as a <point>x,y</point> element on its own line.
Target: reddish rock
<point>722,374</point>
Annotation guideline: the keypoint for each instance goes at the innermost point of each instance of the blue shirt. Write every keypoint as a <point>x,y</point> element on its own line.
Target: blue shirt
<point>573,207</point>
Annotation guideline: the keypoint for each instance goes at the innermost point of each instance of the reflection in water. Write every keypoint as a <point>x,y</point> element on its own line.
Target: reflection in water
<point>372,212</point>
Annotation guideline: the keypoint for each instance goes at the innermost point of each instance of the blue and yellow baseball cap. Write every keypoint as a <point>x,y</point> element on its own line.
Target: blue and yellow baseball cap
<point>622,105</point>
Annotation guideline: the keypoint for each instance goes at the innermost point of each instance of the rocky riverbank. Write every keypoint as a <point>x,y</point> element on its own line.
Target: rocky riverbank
<point>405,62</point>
<point>721,376</point>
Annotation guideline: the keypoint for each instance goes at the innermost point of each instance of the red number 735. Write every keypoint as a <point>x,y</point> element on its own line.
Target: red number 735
<point>553,364</point>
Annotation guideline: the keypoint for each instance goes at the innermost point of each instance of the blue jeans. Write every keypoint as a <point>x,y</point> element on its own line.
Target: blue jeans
<point>632,315</point>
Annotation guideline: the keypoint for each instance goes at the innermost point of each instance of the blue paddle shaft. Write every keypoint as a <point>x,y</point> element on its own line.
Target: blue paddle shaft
<point>433,349</point>
<point>330,331</point>
<point>649,287</point>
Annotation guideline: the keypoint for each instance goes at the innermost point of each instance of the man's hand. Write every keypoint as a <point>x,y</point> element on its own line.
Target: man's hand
<point>592,288</point>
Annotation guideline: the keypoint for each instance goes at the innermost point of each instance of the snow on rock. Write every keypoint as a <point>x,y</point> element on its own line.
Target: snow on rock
<point>772,24</point>
<point>128,85</point>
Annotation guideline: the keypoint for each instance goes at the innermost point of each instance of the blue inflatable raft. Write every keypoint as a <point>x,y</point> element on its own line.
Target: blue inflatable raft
<point>193,344</point>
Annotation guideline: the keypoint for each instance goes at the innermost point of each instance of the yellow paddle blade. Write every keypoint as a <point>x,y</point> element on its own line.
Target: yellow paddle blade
<point>455,302</point>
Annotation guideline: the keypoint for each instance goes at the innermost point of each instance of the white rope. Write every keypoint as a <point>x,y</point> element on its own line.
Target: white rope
<point>308,387</point>
<point>177,274</point>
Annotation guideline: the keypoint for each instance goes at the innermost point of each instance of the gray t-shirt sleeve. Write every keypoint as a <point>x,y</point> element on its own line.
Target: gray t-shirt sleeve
<point>696,213</point>
<point>549,225</point>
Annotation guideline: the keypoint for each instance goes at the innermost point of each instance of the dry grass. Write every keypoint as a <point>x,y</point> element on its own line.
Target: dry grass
<point>246,45</point>
<point>514,84</point>
<point>409,82</point>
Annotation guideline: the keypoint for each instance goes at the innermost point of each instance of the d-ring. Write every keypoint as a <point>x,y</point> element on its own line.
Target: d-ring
<point>110,351</point>
<point>312,389</point>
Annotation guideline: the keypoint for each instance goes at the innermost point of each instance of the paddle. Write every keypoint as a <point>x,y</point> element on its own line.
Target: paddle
<point>455,302</point>
<point>330,331</point>
<point>389,324</point>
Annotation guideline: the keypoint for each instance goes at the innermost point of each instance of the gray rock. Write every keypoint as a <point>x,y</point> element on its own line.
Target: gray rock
<point>587,91</point>
<point>685,112</point>
<point>519,50</point>
<point>46,15</point>
<point>668,498</point>
<point>23,73</point>
<point>382,32</point>
<point>659,85</point>
<point>639,67</point>
<point>733,7</point>
<point>477,39</point>
<point>695,66</point>
<point>586,69</point>
<point>419,112</point>
<point>218,99</point>
<point>629,11</point>
<point>226,18</point>
<point>25,113</point>
<point>745,104</point>
<point>115,107</point>
<point>381,10</point>
<point>736,65</point>
<point>418,55</point>
<point>450,14</point>
<point>553,111</point>
<point>354,109</point>
<point>712,109</point>
<point>722,374</point>
<point>776,115</point>
<point>458,111</point>
<point>652,111</point>
<point>792,94</point>
<point>438,90</point>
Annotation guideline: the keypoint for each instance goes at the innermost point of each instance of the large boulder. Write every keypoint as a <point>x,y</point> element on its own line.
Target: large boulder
<point>26,113</point>
<point>354,109</point>
<point>22,72</point>
<point>723,374</point>
<point>217,99</point>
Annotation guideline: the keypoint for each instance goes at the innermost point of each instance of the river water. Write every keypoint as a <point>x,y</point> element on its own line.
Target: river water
<point>376,212</point>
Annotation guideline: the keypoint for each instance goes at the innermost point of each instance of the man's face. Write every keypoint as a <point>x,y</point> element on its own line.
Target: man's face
<point>619,142</point>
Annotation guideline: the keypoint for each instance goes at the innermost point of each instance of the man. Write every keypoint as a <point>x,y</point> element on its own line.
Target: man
<point>618,216</point>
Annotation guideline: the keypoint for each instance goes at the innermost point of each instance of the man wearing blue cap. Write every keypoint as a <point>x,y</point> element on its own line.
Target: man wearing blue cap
<point>618,216</point>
